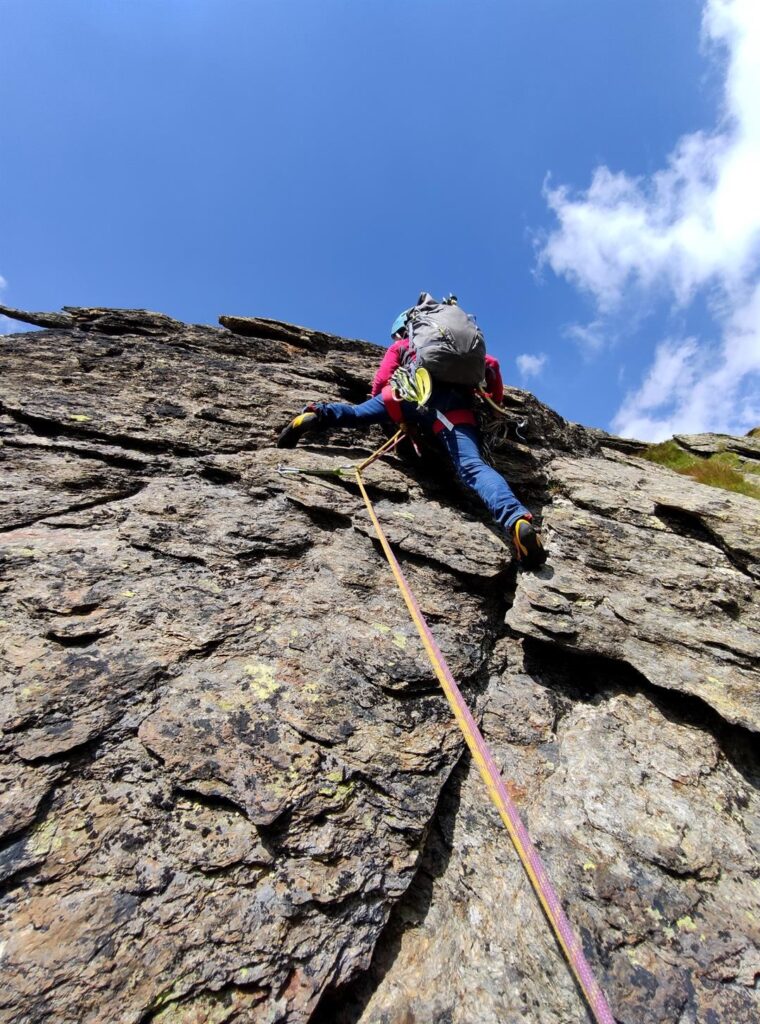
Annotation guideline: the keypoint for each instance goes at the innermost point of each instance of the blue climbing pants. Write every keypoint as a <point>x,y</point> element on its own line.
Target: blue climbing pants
<point>460,442</point>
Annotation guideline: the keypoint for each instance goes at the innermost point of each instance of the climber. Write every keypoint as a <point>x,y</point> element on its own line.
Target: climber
<point>448,413</point>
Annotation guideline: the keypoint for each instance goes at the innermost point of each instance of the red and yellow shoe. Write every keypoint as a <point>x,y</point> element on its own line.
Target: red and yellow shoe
<point>304,423</point>
<point>530,551</point>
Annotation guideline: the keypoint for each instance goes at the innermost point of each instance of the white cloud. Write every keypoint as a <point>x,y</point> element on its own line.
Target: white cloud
<point>589,337</point>
<point>531,366</point>
<point>692,388</point>
<point>671,377</point>
<point>3,283</point>
<point>693,226</point>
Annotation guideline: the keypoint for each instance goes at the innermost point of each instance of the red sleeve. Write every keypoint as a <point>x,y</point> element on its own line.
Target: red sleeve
<point>391,362</point>
<point>494,383</point>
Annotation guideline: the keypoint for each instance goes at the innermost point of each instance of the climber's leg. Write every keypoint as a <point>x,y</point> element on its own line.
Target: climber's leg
<point>341,414</point>
<point>320,416</point>
<point>463,447</point>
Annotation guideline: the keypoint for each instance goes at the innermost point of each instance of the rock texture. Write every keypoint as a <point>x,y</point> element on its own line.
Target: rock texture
<point>231,788</point>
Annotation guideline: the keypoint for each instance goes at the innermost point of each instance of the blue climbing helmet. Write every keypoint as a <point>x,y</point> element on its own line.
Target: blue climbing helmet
<point>399,324</point>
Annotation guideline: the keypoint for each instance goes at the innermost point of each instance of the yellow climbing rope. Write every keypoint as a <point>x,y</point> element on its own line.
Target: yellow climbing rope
<point>505,805</point>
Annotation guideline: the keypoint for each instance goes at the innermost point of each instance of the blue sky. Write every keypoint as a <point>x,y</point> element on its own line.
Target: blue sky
<point>323,162</point>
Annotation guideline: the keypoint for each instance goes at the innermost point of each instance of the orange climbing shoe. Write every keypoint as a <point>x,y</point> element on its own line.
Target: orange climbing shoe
<point>530,551</point>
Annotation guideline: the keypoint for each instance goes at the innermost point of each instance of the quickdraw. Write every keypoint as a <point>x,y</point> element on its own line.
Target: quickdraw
<point>344,471</point>
<point>506,807</point>
<point>412,384</point>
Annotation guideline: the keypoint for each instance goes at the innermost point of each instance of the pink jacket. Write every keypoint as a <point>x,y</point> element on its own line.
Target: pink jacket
<point>394,357</point>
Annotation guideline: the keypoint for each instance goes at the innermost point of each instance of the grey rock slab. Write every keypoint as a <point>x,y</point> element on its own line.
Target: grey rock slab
<point>284,732</point>
<point>650,834</point>
<point>41,483</point>
<point>627,489</point>
<point>194,390</point>
<point>24,788</point>
<point>278,793</point>
<point>714,444</point>
<point>623,585</point>
<point>434,531</point>
<point>54,320</point>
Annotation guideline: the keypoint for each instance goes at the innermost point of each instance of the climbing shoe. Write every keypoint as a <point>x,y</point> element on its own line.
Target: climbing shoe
<point>530,551</point>
<point>305,422</point>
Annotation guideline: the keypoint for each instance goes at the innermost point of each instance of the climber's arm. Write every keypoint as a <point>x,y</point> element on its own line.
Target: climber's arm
<point>391,362</point>
<point>494,383</point>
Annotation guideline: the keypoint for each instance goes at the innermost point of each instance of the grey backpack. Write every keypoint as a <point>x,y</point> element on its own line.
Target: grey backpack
<point>446,341</point>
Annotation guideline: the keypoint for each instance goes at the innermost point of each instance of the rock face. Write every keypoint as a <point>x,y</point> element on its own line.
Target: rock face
<point>232,790</point>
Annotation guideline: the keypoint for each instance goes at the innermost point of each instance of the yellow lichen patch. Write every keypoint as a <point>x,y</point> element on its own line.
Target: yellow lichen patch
<point>168,996</point>
<point>341,792</point>
<point>29,552</point>
<point>127,593</point>
<point>686,924</point>
<point>262,679</point>
<point>399,640</point>
<point>589,866</point>
<point>344,790</point>
<point>207,1007</point>
<point>230,702</point>
<point>403,515</point>
<point>721,701</point>
<point>311,692</point>
<point>712,679</point>
<point>45,838</point>
<point>79,417</point>
<point>380,627</point>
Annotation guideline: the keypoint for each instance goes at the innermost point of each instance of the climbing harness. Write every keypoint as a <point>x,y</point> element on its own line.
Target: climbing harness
<point>506,807</point>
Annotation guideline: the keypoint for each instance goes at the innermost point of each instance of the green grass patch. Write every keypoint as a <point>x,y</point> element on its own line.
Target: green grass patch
<point>722,470</point>
<point>672,455</point>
